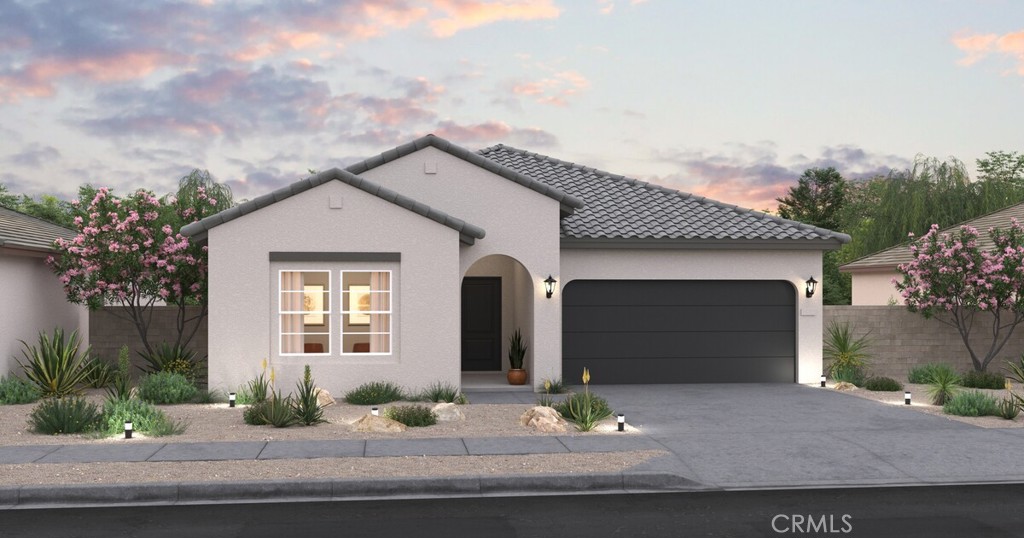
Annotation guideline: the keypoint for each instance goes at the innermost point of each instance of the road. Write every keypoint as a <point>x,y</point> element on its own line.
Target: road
<point>928,512</point>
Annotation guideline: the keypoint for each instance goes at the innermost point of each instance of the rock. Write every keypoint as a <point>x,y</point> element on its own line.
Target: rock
<point>448,412</point>
<point>370,423</point>
<point>324,398</point>
<point>843,385</point>
<point>544,419</point>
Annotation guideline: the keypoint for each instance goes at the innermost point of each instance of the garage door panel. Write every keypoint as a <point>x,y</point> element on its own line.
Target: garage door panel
<point>679,331</point>
<point>686,292</point>
<point>702,370</point>
<point>628,346</point>
<point>660,318</point>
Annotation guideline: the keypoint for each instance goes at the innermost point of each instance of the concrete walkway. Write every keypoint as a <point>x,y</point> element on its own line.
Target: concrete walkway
<point>718,437</point>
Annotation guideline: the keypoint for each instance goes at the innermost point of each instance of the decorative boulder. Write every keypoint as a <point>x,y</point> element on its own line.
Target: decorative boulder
<point>544,419</point>
<point>843,385</point>
<point>448,412</point>
<point>370,423</point>
<point>324,398</point>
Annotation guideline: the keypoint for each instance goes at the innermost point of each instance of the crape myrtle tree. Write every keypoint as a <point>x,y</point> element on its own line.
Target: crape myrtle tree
<point>129,253</point>
<point>952,280</point>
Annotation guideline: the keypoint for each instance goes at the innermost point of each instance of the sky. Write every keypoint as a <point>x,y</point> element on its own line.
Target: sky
<point>732,100</point>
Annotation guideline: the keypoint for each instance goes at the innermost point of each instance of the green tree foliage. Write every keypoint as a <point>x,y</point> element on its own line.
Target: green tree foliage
<point>47,207</point>
<point>818,199</point>
<point>8,200</point>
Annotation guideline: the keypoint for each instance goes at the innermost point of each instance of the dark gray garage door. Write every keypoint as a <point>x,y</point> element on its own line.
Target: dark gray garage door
<point>679,331</point>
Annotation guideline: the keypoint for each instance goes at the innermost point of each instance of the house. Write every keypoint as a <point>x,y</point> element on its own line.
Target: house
<point>872,276</point>
<point>417,264</point>
<point>32,299</point>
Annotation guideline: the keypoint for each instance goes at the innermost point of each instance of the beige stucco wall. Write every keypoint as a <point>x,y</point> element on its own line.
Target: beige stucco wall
<point>520,223</point>
<point>794,266</point>
<point>243,289</point>
<point>875,288</point>
<point>32,300</point>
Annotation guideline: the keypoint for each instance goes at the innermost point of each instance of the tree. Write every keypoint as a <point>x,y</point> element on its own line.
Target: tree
<point>951,280</point>
<point>128,252</point>
<point>8,200</point>
<point>817,199</point>
<point>1002,166</point>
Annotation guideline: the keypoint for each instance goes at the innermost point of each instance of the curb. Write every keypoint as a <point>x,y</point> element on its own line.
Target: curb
<point>26,497</point>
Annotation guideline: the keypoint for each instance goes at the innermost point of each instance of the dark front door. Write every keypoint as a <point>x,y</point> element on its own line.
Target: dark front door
<point>481,324</point>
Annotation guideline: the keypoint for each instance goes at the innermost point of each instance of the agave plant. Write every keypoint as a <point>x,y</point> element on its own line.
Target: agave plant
<point>847,353</point>
<point>56,367</point>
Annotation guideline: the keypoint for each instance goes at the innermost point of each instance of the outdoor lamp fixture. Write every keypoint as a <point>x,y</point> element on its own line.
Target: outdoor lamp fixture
<point>622,422</point>
<point>127,429</point>
<point>822,380</point>
<point>231,399</point>
<point>374,411</point>
<point>549,285</point>
<point>811,283</point>
<point>906,398</point>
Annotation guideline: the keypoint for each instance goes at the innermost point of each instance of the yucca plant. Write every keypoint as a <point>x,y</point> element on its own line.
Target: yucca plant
<point>847,354</point>
<point>120,386</point>
<point>56,367</point>
<point>306,406</point>
<point>176,359</point>
<point>943,385</point>
<point>516,350</point>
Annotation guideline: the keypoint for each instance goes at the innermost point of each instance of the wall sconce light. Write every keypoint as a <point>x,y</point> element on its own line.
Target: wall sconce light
<point>231,399</point>
<point>549,285</point>
<point>622,422</point>
<point>128,429</point>
<point>906,398</point>
<point>823,380</point>
<point>811,283</point>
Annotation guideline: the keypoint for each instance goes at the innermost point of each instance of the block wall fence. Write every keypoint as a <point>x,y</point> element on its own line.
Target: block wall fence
<point>901,339</point>
<point>108,332</point>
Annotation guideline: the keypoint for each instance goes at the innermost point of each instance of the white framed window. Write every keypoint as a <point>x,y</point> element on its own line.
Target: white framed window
<point>304,311</point>
<point>366,315</point>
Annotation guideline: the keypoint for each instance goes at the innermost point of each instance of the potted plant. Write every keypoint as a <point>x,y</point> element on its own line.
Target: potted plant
<point>516,354</point>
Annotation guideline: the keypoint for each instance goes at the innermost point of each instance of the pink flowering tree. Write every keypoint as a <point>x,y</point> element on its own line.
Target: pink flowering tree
<point>128,253</point>
<point>952,280</point>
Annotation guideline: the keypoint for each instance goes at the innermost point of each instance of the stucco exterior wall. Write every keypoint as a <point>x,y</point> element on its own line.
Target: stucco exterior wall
<point>794,266</point>
<point>875,288</point>
<point>520,223</point>
<point>244,285</point>
<point>32,300</point>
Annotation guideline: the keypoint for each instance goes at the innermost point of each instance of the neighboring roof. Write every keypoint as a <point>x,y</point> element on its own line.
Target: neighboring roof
<point>467,232</point>
<point>569,203</point>
<point>21,231</point>
<point>621,211</point>
<point>889,258</point>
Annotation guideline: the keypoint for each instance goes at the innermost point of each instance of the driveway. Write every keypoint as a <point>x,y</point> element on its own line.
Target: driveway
<point>788,435</point>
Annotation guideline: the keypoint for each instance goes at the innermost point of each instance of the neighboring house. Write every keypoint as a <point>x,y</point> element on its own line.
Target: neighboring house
<point>872,276</point>
<point>32,299</point>
<point>416,265</point>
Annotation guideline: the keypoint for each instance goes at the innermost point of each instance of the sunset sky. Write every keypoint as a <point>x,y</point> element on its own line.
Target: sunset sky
<point>726,99</point>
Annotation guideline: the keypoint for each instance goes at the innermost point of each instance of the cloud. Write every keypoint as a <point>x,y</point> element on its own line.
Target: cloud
<point>754,175</point>
<point>556,89</point>
<point>465,14</point>
<point>980,46</point>
<point>34,156</point>
<point>489,132</point>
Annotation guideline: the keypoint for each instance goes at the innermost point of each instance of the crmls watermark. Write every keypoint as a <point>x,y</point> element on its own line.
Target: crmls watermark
<point>810,524</point>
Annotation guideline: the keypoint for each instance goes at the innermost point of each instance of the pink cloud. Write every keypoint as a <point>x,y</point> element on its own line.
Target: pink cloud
<point>466,14</point>
<point>555,90</point>
<point>980,46</point>
<point>489,132</point>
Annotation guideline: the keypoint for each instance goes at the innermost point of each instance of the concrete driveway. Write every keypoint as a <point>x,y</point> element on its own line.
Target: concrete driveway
<point>782,435</point>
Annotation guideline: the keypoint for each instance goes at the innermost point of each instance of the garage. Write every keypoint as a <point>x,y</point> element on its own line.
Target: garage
<point>679,331</point>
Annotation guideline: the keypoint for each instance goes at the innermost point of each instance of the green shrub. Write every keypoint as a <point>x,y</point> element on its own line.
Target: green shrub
<point>173,358</point>
<point>852,374</point>
<point>100,373</point>
<point>166,388</point>
<point>971,403</point>
<point>923,374</point>
<point>585,409</point>
<point>545,400</point>
<point>413,416</point>
<point>1008,408</point>
<point>943,385</point>
<point>307,408</point>
<point>64,415</point>
<point>120,386</point>
<point>440,393</point>
<point>255,391</point>
<point>253,415</point>
<point>883,384</point>
<point>15,390</point>
<point>553,386</point>
<point>375,393</point>
<point>144,418</point>
<point>983,380</point>
<point>846,353</point>
<point>56,367</point>
<point>209,396</point>
<point>279,411</point>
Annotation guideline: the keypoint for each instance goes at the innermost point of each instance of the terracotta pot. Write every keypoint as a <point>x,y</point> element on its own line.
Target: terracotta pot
<point>517,377</point>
